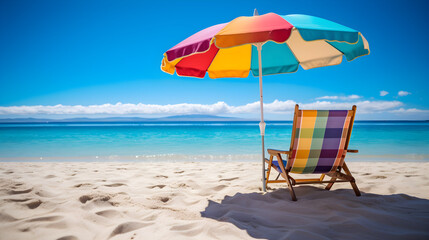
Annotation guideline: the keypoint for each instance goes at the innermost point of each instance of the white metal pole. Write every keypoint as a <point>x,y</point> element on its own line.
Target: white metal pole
<point>262,123</point>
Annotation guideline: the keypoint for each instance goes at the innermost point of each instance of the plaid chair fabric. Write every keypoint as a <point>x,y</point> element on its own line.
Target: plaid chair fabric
<point>320,139</point>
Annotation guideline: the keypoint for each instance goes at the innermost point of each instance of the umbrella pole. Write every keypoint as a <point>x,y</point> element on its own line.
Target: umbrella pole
<point>262,123</point>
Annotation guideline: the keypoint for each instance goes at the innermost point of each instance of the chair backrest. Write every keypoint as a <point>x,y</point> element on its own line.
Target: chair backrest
<point>320,139</point>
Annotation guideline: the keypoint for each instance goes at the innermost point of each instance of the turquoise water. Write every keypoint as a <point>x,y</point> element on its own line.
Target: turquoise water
<point>195,140</point>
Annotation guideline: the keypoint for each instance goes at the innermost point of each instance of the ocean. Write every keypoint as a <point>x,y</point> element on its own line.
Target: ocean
<point>196,141</point>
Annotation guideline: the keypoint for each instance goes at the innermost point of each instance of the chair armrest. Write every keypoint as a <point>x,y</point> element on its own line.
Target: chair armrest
<point>275,151</point>
<point>352,151</point>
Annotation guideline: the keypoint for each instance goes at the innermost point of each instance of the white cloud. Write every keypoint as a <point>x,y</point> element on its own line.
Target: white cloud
<point>383,93</point>
<point>328,97</point>
<point>403,93</point>
<point>119,109</point>
<point>276,106</point>
<point>409,110</point>
<point>362,106</point>
<point>350,97</point>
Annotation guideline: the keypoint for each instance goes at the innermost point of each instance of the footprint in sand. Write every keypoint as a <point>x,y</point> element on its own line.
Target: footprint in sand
<point>34,204</point>
<point>109,213</point>
<point>45,219</point>
<point>161,176</point>
<point>70,237</point>
<point>85,198</point>
<point>99,198</point>
<point>183,185</point>
<point>13,191</point>
<point>160,199</point>
<point>378,177</point>
<point>82,185</point>
<point>160,186</point>
<point>219,187</point>
<point>127,227</point>
<point>229,179</point>
<point>18,200</point>
<point>115,185</point>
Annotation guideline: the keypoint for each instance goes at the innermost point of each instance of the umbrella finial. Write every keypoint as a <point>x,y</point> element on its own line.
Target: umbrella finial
<point>255,12</point>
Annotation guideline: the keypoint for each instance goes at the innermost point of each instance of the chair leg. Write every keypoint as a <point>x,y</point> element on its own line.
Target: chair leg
<point>268,172</point>
<point>292,192</point>
<point>353,182</point>
<point>285,175</point>
<point>328,187</point>
<point>355,188</point>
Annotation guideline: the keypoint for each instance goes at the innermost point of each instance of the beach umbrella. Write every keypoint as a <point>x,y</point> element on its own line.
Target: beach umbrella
<point>264,45</point>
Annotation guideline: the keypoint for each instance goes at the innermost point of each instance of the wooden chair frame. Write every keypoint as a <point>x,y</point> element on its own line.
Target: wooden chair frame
<point>336,176</point>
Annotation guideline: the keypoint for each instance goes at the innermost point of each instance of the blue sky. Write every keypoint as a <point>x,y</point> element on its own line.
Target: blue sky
<point>108,54</point>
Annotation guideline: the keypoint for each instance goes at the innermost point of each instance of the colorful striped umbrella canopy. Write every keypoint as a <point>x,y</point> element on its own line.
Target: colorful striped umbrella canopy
<point>226,50</point>
<point>232,50</point>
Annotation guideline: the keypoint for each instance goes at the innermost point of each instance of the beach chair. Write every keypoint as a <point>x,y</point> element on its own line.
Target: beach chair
<point>319,144</point>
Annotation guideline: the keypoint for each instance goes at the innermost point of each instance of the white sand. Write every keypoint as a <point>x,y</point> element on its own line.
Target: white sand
<point>207,201</point>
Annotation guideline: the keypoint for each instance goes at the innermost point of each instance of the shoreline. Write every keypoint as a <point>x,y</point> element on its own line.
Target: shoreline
<point>206,158</point>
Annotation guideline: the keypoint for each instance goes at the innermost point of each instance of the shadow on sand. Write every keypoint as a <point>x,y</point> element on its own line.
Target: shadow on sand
<point>321,214</point>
